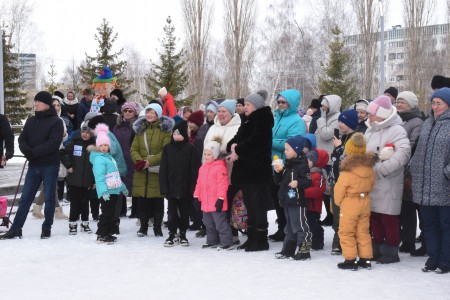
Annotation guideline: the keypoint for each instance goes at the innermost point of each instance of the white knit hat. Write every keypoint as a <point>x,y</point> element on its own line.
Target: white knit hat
<point>162,92</point>
<point>409,97</point>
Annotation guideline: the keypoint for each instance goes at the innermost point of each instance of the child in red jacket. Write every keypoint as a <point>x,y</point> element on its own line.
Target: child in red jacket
<point>317,160</point>
<point>211,191</point>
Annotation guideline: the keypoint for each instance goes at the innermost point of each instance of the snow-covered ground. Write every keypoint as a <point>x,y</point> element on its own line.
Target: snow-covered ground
<point>76,267</point>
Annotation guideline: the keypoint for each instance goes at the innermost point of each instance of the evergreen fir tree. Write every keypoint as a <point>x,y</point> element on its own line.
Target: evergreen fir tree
<point>16,108</point>
<point>52,86</point>
<point>218,90</point>
<point>93,65</point>
<point>338,79</point>
<point>171,72</point>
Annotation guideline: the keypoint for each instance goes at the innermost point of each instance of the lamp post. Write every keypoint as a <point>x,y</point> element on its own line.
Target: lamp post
<point>381,47</point>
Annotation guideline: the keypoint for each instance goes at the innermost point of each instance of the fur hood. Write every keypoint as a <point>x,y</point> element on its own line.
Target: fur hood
<point>165,124</point>
<point>352,162</point>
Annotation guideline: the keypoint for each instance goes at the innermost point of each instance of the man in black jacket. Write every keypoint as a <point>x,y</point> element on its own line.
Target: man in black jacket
<point>7,137</point>
<point>39,142</point>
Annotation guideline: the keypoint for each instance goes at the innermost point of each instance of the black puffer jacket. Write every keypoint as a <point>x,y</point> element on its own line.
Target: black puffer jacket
<point>41,138</point>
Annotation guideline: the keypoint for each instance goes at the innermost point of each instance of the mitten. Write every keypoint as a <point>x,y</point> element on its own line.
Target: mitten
<point>105,196</point>
<point>219,205</point>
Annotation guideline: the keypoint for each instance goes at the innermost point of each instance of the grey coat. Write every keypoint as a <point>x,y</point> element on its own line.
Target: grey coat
<point>412,123</point>
<point>430,165</point>
<point>386,196</point>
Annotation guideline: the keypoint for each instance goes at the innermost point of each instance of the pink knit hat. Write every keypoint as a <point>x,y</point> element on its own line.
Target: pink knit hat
<point>131,105</point>
<point>380,107</point>
<point>101,131</point>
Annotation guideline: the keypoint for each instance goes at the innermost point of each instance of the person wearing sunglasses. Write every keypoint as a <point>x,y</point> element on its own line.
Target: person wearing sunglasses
<point>287,124</point>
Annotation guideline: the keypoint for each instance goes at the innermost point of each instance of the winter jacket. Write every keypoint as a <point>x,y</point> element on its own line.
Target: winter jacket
<point>7,137</point>
<point>200,139</point>
<point>76,156</point>
<point>287,123</point>
<point>430,165</point>
<point>357,176</point>
<point>362,127</point>
<point>178,170</point>
<point>41,138</point>
<point>169,108</point>
<point>212,184</point>
<point>110,120</point>
<point>295,169</point>
<point>313,124</point>
<point>412,122</point>
<point>104,165</point>
<point>387,193</point>
<point>337,156</point>
<point>146,184</point>
<point>327,123</point>
<point>72,109</point>
<point>254,148</point>
<point>83,108</point>
<point>124,133</point>
<point>314,194</point>
<point>117,154</point>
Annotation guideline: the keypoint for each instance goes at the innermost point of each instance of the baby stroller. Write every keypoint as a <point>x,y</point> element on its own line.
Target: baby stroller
<point>5,217</point>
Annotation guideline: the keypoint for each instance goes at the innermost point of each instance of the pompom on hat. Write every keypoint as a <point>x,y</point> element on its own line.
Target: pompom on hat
<point>356,144</point>
<point>101,131</point>
<point>380,107</point>
<point>258,99</point>
<point>214,146</point>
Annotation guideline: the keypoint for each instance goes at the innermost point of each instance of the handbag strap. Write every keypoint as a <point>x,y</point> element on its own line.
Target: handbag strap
<point>145,142</point>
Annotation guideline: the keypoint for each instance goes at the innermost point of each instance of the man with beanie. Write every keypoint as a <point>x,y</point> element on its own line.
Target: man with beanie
<point>392,93</point>
<point>326,124</point>
<point>384,128</point>
<point>351,194</point>
<point>348,121</point>
<point>412,122</point>
<point>169,108</point>
<point>315,107</point>
<point>252,172</point>
<point>287,124</point>
<point>39,141</point>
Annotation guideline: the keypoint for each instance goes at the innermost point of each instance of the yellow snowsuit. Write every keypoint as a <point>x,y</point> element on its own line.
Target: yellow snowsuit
<point>351,193</point>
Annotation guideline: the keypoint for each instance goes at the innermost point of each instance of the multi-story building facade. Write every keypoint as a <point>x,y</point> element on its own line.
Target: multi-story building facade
<point>26,62</point>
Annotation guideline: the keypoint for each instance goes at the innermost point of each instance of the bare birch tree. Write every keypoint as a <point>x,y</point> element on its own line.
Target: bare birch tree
<point>239,24</point>
<point>197,15</point>
<point>71,78</point>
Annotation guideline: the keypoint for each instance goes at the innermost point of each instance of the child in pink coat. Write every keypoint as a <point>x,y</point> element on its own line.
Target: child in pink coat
<point>211,191</point>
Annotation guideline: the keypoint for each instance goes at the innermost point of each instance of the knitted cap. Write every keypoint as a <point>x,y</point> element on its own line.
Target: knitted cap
<point>349,118</point>
<point>443,93</point>
<point>380,107</point>
<point>214,146</point>
<point>212,106</point>
<point>258,99</point>
<point>361,104</point>
<point>297,143</point>
<point>131,105</point>
<point>162,92</point>
<point>156,107</point>
<point>356,144</point>
<point>101,131</point>
<point>44,97</point>
<point>391,91</point>
<point>230,105</point>
<point>56,97</point>
<point>197,117</point>
<point>410,98</point>
<point>182,129</point>
<point>89,116</point>
<point>315,103</point>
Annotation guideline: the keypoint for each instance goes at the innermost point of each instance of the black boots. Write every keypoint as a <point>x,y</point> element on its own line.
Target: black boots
<point>288,250</point>
<point>73,228</point>
<point>389,254</point>
<point>303,251</point>
<point>158,219</point>
<point>46,233</point>
<point>11,235</point>
<point>364,263</point>
<point>277,236</point>
<point>422,251</point>
<point>183,240</point>
<point>143,230</point>
<point>258,242</point>
<point>407,247</point>
<point>348,264</point>
<point>172,240</point>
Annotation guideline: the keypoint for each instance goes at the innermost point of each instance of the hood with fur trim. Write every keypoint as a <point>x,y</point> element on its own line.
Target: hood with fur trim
<point>165,124</point>
<point>360,164</point>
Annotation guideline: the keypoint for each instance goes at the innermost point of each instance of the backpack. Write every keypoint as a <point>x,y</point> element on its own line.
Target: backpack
<point>239,216</point>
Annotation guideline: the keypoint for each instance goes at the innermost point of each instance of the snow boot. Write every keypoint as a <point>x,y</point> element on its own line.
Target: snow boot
<point>442,270</point>
<point>259,242</point>
<point>407,247</point>
<point>277,236</point>
<point>348,264</point>
<point>376,251</point>
<point>142,231</point>
<point>59,214</point>
<point>303,252</point>
<point>389,254</point>
<point>172,240</point>
<point>249,240</point>
<point>183,240</point>
<point>429,268</point>
<point>364,263</point>
<point>158,219</point>
<point>11,235</point>
<point>46,233</point>
<point>201,233</point>
<point>85,227</point>
<point>37,212</point>
<point>73,228</point>
<point>115,227</point>
<point>288,250</point>
<point>421,251</point>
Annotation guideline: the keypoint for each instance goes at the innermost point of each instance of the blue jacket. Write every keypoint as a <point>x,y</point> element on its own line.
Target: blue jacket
<point>117,154</point>
<point>287,123</point>
<point>103,164</point>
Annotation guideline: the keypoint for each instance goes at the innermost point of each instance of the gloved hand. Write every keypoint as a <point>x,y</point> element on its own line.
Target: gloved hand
<point>125,192</point>
<point>105,196</point>
<point>219,205</point>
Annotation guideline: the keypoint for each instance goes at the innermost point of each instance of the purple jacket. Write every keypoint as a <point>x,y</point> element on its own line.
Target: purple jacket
<point>125,135</point>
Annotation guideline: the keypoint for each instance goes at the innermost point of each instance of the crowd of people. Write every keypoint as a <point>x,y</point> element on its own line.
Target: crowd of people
<point>372,166</point>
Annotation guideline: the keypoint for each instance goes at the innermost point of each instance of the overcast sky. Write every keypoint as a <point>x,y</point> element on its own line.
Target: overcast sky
<point>66,28</point>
